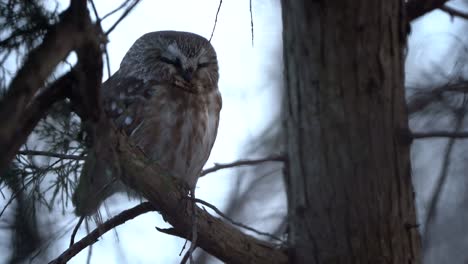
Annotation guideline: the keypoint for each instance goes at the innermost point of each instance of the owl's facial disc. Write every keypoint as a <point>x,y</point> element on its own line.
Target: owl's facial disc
<point>187,65</point>
<point>177,58</point>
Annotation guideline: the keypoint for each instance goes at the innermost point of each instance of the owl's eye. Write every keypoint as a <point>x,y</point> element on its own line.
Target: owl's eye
<point>204,64</point>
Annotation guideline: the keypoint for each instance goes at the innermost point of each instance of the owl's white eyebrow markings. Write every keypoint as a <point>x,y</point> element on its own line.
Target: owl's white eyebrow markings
<point>175,51</point>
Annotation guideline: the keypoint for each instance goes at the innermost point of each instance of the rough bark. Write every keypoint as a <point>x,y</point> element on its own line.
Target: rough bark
<point>349,183</point>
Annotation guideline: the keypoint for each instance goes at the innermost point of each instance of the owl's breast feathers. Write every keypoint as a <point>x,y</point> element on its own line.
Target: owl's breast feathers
<point>174,127</point>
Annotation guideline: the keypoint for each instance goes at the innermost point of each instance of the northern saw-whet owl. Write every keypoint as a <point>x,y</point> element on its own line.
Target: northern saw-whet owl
<point>165,98</point>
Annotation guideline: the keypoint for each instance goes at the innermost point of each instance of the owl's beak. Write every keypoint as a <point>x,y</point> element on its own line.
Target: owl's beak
<point>187,74</point>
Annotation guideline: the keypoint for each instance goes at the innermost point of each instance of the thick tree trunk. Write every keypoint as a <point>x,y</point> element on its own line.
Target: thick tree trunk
<point>349,183</point>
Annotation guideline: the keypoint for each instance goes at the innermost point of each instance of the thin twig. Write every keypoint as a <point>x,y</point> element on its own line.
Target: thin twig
<point>445,134</point>
<point>454,12</point>
<point>232,221</point>
<point>107,62</point>
<point>216,19</point>
<point>50,154</point>
<point>93,6</point>
<point>90,248</point>
<point>12,198</point>
<point>75,230</point>
<point>124,14</point>
<point>92,237</point>
<point>116,10</point>
<point>245,162</point>
<point>440,182</point>
<point>423,97</point>
<point>186,257</point>
<point>251,22</point>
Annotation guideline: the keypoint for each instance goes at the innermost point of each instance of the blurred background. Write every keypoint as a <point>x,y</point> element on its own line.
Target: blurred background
<point>37,218</point>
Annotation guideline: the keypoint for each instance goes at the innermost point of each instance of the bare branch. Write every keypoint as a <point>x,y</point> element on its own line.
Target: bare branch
<point>116,10</point>
<point>93,6</point>
<point>445,134</point>
<point>50,154</point>
<point>251,21</point>
<point>418,8</point>
<point>420,100</point>
<point>124,14</point>
<point>157,186</point>
<point>454,12</point>
<point>75,230</point>
<point>440,182</point>
<point>245,162</point>
<point>92,237</point>
<point>216,20</point>
<point>212,207</point>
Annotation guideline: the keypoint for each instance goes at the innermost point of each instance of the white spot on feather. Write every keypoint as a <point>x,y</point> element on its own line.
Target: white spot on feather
<point>128,120</point>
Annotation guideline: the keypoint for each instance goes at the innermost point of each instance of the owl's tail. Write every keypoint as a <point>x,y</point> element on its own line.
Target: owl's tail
<point>98,181</point>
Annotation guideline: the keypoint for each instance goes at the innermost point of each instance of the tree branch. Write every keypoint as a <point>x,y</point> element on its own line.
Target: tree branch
<point>50,154</point>
<point>32,115</point>
<point>216,20</point>
<point>124,14</point>
<point>92,237</point>
<point>155,184</point>
<point>219,166</point>
<point>440,182</point>
<point>426,96</point>
<point>433,134</point>
<point>454,12</point>
<point>74,28</point>
<point>212,207</point>
<point>418,8</point>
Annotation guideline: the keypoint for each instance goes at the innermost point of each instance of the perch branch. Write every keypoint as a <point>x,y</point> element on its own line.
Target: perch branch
<point>214,235</point>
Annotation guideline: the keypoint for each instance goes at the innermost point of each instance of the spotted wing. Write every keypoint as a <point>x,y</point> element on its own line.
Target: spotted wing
<point>124,100</point>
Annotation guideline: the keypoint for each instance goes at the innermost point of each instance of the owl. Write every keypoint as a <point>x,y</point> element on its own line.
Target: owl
<point>165,97</point>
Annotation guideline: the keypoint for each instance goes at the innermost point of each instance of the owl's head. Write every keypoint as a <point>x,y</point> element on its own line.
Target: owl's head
<point>181,58</point>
